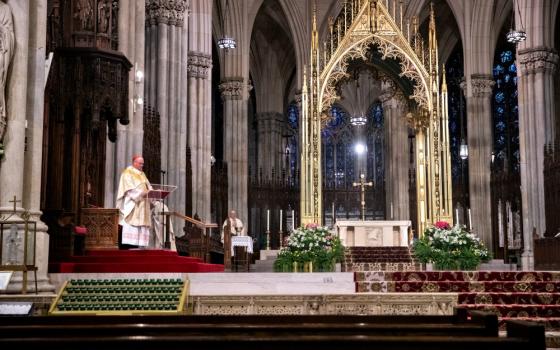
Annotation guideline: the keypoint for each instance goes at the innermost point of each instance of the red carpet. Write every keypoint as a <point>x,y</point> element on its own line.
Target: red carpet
<point>379,259</point>
<point>107,261</point>
<point>522,295</point>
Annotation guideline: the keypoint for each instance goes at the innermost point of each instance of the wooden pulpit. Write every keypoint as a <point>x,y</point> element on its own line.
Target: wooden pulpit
<point>103,227</point>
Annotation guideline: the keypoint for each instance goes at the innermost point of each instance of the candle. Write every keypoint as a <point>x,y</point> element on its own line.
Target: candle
<point>457,216</point>
<point>470,220</point>
<point>280,220</point>
<point>267,220</point>
<point>293,220</point>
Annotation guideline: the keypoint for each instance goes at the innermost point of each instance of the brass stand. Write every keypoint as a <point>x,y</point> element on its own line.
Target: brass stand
<point>268,240</point>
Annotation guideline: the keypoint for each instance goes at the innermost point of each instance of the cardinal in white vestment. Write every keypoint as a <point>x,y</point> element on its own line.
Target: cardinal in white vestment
<point>134,205</point>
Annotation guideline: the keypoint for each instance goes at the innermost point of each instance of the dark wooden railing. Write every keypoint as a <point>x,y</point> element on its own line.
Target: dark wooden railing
<point>201,239</point>
<point>547,254</point>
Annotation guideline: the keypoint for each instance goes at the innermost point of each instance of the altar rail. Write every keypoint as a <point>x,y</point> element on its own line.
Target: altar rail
<point>458,332</point>
<point>201,239</point>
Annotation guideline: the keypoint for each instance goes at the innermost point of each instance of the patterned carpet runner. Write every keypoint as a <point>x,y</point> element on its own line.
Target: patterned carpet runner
<point>531,296</point>
<point>379,259</point>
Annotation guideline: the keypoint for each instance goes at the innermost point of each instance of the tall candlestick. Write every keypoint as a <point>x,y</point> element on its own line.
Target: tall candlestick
<point>470,220</point>
<point>333,213</point>
<point>456,216</point>
<point>268,220</point>
<point>293,220</point>
<point>280,220</point>
<point>392,211</point>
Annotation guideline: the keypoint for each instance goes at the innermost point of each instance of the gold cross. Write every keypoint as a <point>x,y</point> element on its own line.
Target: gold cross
<point>14,201</point>
<point>363,185</point>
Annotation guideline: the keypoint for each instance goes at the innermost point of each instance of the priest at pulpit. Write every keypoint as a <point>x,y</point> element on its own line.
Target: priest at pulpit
<point>134,205</point>
<point>232,227</point>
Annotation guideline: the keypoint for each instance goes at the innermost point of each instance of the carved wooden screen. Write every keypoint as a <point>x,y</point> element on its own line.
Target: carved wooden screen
<point>151,147</point>
<point>552,189</point>
<point>219,192</point>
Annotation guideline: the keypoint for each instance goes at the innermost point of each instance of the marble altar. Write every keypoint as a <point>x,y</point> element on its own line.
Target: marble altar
<point>356,233</point>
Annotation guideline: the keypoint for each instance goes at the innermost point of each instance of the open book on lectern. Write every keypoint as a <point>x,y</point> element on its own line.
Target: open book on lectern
<point>160,191</point>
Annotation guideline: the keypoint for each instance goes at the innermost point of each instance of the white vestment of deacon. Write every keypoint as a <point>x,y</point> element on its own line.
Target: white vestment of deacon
<point>236,228</point>
<point>134,207</point>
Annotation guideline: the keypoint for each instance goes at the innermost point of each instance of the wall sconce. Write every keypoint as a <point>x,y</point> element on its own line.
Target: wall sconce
<point>463,150</point>
<point>138,100</point>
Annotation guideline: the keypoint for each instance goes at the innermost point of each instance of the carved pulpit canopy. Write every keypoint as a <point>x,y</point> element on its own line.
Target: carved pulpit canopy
<point>97,80</point>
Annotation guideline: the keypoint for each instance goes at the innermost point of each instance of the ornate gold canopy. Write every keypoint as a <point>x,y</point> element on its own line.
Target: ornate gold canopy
<point>362,26</point>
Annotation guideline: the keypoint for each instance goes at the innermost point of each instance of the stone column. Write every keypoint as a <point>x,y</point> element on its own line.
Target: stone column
<point>479,130</point>
<point>269,149</point>
<point>199,104</point>
<point>200,130</point>
<point>129,137</point>
<point>235,94</point>
<point>536,71</point>
<point>21,167</point>
<point>396,160</point>
<point>166,72</point>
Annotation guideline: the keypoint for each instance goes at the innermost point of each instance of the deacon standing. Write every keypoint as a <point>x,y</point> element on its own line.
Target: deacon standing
<point>232,227</point>
<point>134,205</point>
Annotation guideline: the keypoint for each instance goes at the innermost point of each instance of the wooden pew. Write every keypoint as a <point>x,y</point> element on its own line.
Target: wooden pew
<point>479,331</point>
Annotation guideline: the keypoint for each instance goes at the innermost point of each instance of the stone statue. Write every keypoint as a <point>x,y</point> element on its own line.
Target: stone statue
<point>84,13</point>
<point>104,9</point>
<point>7,42</point>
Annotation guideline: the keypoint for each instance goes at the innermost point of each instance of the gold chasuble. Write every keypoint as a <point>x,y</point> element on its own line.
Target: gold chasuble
<point>134,207</point>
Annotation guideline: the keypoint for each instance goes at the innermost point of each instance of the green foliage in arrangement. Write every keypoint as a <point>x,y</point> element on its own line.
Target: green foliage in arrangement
<point>313,244</point>
<point>450,248</point>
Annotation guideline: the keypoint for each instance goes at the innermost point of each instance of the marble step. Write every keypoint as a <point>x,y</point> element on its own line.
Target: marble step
<point>262,266</point>
<point>285,283</point>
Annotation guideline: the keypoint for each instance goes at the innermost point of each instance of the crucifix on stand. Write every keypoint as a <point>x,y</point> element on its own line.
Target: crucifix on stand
<point>363,185</point>
<point>15,201</point>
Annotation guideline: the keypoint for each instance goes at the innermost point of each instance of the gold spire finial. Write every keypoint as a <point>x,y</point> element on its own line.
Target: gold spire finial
<point>443,81</point>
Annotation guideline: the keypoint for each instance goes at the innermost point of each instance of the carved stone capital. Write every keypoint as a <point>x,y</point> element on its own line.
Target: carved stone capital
<point>198,65</point>
<point>297,97</point>
<point>387,93</point>
<point>234,88</point>
<point>482,85</point>
<point>170,12</point>
<point>538,60</point>
<point>417,121</point>
<point>400,102</point>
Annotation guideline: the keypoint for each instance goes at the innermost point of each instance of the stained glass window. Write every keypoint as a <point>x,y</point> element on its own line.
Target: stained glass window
<point>376,140</point>
<point>292,153</point>
<point>505,110</point>
<point>457,112</point>
<point>339,156</point>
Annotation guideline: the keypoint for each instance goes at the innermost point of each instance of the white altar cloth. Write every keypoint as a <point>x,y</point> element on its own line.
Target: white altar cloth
<point>242,241</point>
<point>355,233</point>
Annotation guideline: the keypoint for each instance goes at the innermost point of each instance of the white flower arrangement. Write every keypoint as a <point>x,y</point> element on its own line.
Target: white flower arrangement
<point>450,247</point>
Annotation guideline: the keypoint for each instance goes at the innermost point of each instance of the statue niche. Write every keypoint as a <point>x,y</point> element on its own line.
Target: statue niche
<point>7,43</point>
